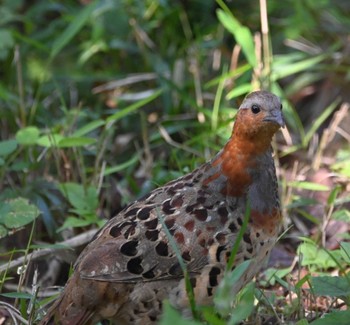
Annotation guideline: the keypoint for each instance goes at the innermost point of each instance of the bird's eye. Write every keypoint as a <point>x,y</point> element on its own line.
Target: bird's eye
<point>255,109</point>
<point>281,107</point>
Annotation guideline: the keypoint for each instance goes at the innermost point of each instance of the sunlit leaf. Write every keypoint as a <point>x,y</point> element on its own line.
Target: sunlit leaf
<point>88,128</point>
<point>28,136</point>
<point>70,142</point>
<point>50,140</point>
<point>308,186</point>
<point>241,33</point>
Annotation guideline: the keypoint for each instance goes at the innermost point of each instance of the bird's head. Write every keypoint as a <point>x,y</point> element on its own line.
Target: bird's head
<point>259,116</point>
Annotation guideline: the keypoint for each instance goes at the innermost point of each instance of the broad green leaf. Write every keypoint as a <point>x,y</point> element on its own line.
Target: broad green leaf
<point>241,33</point>
<point>172,317</point>
<point>82,199</point>
<point>244,306</point>
<point>315,256</point>
<point>72,29</point>
<point>88,128</point>
<point>335,318</point>
<point>17,213</point>
<point>308,186</point>
<point>28,136</point>
<point>129,109</point>
<point>50,140</point>
<point>70,142</point>
<point>334,286</point>
<point>7,147</point>
<point>223,297</point>
<point>341,215</point>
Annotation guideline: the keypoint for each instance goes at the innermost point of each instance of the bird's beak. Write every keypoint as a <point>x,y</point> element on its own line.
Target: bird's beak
<point>276,116</point>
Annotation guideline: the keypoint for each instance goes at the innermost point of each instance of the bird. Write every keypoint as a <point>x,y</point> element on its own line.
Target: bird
<point>132,264</point>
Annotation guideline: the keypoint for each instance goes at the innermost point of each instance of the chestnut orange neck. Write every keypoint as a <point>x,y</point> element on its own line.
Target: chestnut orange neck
<point>242,153</point>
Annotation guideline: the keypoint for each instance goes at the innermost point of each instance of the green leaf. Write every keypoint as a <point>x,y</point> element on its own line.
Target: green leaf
<point>173,317</point>
<point>283,69</point>
<point>318,122</point>
<point>345,251</point>
<point>333,195</point>
<point>336,318</point>
<point>341,215</point>
<point>271,274</point>
<point>302,322</point>
<point>88,128</point>
<point>17,295</point>
<point>82,199</point>
<point>7,147</point>
<point>74,222</point>
<point>241,33</point>
<point>70,142</point>
<point>334,286</point>
<point>72,29</point>
<point>308,186</point>
<point>50,140</point>
<point>122,166</point>
<point>223,297</point>
<point>129,109</point>
<point>313,255</point>
<point>239,90</point>
<point>17,213</point>
<point>245,305</point>
<point>3,231</point>
<point>28,136</point>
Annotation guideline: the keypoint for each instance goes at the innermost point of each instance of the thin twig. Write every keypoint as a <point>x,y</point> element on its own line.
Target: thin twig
<point>70,243</point>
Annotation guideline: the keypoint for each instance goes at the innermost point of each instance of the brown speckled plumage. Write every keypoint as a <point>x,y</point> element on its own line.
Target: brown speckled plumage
<point>129,267</point>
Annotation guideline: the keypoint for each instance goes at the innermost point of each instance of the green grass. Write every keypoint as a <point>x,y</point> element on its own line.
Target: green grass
<point>103,102</point>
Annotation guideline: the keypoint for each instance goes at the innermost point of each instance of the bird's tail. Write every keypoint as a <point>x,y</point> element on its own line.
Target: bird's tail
<point>69,308</point>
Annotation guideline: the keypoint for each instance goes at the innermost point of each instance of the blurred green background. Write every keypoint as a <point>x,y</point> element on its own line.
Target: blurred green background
<point>102,101</point>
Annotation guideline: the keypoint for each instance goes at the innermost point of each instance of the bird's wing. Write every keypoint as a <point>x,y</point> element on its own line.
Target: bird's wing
<point>144,241</point>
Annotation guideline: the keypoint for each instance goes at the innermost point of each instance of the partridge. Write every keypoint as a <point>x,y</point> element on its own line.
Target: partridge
<point>130,267</point>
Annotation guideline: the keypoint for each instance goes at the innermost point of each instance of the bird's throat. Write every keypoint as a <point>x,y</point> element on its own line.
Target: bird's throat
<point>236,161</point>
